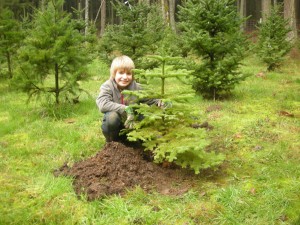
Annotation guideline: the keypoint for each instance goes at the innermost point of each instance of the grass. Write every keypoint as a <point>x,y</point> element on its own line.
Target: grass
<point>257,184</point>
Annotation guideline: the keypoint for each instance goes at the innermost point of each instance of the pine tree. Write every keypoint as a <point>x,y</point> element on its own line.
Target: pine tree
<point>273,44</point>
<point>169,132</point>
<point>138,34</point>
<point>212,31</point>
<point>10,38</point>
<point>53,57</point>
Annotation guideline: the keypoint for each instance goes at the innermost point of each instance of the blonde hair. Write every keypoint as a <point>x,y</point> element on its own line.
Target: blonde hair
<point>121,62</point>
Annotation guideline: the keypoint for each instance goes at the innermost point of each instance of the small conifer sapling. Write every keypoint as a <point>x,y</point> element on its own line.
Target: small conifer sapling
<point>167,131</point>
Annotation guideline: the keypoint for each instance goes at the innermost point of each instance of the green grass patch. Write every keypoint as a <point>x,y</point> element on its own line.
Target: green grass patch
<point>257,130</point>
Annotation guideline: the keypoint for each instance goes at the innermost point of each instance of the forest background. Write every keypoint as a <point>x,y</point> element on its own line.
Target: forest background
<point>102,12</point>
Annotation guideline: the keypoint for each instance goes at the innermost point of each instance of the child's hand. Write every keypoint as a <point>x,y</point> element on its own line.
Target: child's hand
<point>129,123</point>
<point>164,104</point>
<point>129,110</point>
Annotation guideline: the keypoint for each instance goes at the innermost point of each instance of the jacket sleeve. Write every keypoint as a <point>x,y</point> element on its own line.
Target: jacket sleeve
<point>105,101</point>
<point>150,101</point>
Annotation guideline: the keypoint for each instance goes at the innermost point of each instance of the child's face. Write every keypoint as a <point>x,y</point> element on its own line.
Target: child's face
<point>123,78</point>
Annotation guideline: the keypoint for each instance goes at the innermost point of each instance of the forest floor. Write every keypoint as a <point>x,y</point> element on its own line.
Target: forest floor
<point>55,167</point>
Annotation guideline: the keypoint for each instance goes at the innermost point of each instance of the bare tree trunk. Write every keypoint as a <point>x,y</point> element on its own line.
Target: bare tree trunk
<point>42,5</point>
<point>103,17</point>
<point>266,8</point>
<point>242,11</point>
<point>112,14</point>
<point>57,91</point>
<point>165,10</point>
<point>243,8</point>
<point>86,16</point>
<point>172,14</point>
<point>290,14</point>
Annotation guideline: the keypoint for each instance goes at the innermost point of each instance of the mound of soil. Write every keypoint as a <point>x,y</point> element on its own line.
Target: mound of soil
<point>117,168</point>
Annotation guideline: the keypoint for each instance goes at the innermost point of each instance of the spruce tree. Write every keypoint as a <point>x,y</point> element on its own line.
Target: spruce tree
<point>139,33</point>
<point>171,131</point>
<point>10,38</point>
<point>273,44</point>
<point>212,30</point>
<point>53,57</point>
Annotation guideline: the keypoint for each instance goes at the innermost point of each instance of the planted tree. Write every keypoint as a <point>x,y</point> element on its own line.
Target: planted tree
<point>10,38</point>
<point>273,43</point>
<point>170,132</point>
<point>53,59</point>
<point>139,33</point>
<point>212,30</point>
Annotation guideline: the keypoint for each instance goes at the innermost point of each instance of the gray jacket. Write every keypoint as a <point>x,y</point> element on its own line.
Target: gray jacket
<point>109,98</point>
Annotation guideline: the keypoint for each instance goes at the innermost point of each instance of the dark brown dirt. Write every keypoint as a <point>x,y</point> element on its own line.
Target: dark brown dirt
<point>117,168</point>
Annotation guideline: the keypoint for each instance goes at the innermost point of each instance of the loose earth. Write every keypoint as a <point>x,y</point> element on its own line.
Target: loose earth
<point>118,168</point>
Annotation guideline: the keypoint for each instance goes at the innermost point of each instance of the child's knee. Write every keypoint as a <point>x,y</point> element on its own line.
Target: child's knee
<point>111,120</point>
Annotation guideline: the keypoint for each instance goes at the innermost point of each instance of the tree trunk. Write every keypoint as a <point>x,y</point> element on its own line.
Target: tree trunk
<point>242,11</point>
<point>56,84</point>
<point>10,73</point>
<point>172,14</point>
<point>290,15</point>
<point>103,17</point>
<point>163,80</point>
<point>165,10</point>
<point>86,17</point>
<point>112,15</point>
<point>266,7</point>
<point>243,8</point>
<point>42,5</point>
